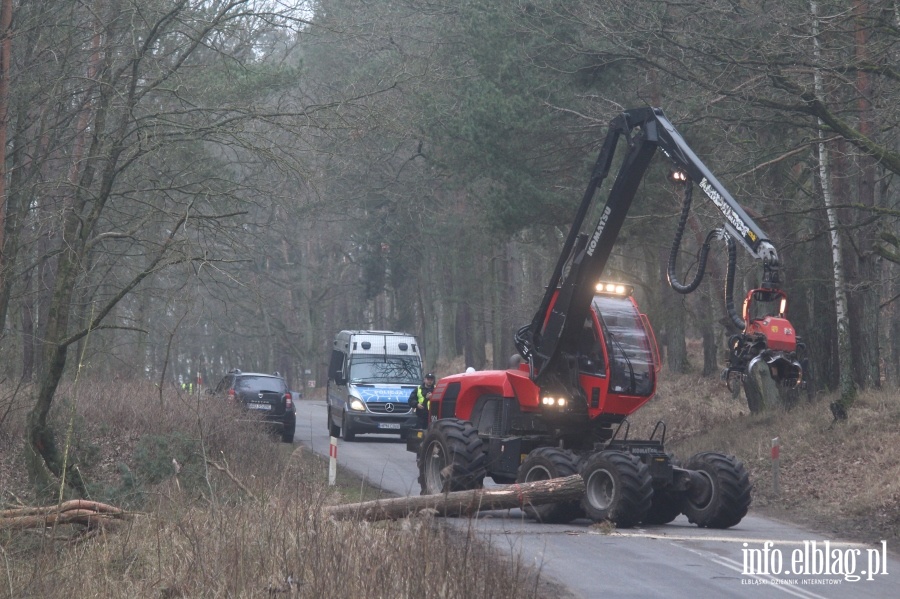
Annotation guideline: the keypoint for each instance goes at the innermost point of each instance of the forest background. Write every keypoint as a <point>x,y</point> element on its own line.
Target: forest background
<point>192,186</point>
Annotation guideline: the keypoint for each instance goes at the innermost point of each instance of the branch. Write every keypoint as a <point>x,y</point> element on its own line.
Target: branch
<point>787,155</point>
<point>79,511</point>
<point>223,467</point>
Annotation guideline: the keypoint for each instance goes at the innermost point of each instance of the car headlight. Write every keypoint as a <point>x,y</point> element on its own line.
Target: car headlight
<point>358,405</point>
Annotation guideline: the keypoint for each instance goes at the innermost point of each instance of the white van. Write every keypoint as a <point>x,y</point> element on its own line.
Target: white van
<point>370,377</point>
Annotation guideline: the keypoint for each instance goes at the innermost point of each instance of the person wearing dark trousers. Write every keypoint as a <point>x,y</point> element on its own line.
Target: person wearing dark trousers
<point>420,399</point>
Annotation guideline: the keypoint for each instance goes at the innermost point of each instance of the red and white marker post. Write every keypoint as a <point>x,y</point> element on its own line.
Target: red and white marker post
<point>776,460</point>
<point>332,461</point>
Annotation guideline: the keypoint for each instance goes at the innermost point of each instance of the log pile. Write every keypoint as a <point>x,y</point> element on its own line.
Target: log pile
<point>463,503</point>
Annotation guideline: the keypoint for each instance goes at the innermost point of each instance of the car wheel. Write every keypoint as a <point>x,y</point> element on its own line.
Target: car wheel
<point>287,433</point>
<point>346,433</point>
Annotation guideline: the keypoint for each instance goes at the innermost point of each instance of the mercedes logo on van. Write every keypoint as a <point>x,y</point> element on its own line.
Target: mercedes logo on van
<point>388,407</point>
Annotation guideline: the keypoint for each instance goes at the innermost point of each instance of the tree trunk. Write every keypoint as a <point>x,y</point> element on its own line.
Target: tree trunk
<point>554,490</point>
<point>845,352</point>
<point>672,333</point>
<point>866,297</point>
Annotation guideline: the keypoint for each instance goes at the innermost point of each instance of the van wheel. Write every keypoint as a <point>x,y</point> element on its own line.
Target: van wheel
<point>346,433</point>
<point>333,429</point>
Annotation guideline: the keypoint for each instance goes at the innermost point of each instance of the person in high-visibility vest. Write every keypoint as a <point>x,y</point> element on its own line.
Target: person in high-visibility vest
<point>420,399</point>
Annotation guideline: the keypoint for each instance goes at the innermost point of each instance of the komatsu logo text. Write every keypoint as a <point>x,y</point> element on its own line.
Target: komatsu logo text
<point>595,238</point>
<point>729,213</point>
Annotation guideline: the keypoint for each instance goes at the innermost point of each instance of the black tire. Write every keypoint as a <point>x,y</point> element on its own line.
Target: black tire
<point>725,498</point>
<point>346,433</point>
<point>287,434</point>
<point>451,457</point>
<point>545,463</point>
<point>665,506</point>
<point>333,429</point>
<point>617,487</point>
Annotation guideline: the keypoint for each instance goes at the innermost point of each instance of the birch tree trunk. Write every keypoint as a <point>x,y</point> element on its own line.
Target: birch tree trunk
<point>845,351</point>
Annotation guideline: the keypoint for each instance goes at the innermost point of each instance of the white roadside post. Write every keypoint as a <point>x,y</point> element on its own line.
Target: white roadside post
<point>332,461</point>
<point>776,458</point>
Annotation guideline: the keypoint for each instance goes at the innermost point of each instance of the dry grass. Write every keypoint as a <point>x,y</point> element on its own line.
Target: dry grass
<point>842,479</point>
<point>199,534</point>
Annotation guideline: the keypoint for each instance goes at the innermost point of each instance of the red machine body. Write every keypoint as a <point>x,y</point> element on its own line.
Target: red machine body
<point>617,366</point>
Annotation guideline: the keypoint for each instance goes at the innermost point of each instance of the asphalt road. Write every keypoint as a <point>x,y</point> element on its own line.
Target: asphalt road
<point>759,557</point>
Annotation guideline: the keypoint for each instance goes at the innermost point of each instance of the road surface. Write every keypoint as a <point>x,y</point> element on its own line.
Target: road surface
<point>759,557</point>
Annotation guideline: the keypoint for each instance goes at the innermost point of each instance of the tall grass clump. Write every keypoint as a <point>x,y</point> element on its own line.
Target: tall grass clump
<point>220,508</point>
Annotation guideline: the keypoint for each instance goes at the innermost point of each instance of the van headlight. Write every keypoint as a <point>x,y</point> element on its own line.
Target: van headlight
<point>357,405</point>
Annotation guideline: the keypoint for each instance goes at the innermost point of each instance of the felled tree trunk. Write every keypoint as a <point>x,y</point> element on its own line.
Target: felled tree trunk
<point>85,513</point>
<point>568,488</point>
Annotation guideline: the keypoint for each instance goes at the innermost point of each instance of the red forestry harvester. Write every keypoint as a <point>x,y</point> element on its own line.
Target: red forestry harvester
<point>589,359</point>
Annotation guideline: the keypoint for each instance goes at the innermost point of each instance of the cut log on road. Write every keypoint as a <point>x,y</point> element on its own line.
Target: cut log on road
<point>460,503</point>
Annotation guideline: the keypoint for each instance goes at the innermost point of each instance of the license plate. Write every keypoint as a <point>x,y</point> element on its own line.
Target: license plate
<point>259,406</point>
<point>390,425</point>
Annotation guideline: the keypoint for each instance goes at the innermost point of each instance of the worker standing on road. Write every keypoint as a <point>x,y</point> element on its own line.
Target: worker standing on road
<point>420,399</point>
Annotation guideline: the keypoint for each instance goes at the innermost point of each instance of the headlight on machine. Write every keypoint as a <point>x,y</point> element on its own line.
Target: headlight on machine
<point>554,401</point>
<point>357,405</point>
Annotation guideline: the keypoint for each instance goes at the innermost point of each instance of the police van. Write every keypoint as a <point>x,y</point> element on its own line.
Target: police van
<point>370,377</point>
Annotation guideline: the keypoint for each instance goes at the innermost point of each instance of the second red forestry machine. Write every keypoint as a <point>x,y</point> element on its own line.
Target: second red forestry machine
<point>589,359</point>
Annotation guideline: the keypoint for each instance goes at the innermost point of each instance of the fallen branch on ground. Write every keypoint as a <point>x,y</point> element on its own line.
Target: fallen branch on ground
<point>77,511</point>
<point>223,467</point>
<point>568,488</point>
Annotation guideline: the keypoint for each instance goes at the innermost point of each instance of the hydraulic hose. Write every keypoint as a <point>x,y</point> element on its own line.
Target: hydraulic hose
<point>702,256</point>
<point>674,283</point>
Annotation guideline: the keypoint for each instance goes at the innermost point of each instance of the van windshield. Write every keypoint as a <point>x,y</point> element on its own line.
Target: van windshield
<point>403,370</point>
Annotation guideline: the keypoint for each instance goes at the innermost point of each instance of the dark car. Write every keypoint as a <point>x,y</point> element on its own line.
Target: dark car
<point>266,394</point>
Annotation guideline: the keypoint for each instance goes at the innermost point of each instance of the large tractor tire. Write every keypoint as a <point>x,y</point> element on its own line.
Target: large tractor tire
<point>724,497</point>
<point>665,506</point>
<point>545,463</point>
<point>617,487</point>
<point>451,457</point>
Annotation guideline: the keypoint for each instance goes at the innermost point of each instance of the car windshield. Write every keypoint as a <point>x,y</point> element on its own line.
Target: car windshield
<point>386,369</point>
<point>260,383</point>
